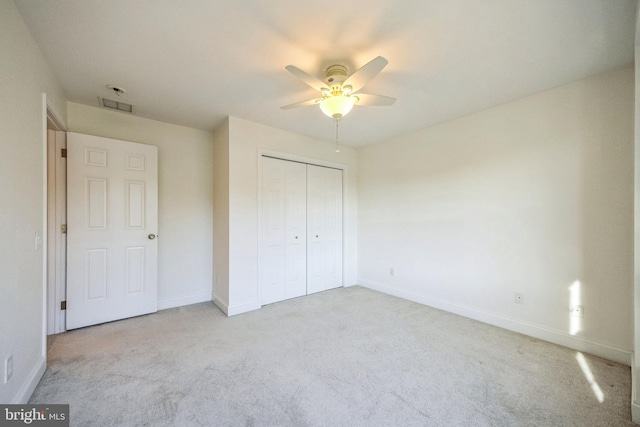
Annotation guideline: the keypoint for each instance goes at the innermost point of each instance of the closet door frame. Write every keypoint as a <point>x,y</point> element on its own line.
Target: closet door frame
<point>300,159</point>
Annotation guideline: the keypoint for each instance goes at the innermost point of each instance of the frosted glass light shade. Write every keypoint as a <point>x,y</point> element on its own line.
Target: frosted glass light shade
<point>337,106</point>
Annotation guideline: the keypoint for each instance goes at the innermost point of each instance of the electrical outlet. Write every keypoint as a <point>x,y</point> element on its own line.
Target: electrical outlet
<point>8,368</point>
<point>519,298</point>
<point>577,311</point>
<point>392,272</point>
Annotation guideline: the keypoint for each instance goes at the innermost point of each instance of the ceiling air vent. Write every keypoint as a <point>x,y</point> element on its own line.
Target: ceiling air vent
<point>115,105</point>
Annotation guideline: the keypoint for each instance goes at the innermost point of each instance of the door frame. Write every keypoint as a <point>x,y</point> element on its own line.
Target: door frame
<point>309,161</point>
<point>55,240</point>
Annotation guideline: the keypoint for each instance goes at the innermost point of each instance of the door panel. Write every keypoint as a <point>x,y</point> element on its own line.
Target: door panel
<point>135,270</point>
<point>283,230</point>
<point>112,205</point>
<point>324,228</point>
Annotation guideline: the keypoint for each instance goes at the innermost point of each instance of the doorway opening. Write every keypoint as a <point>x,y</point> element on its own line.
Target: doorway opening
<point>56,225</point>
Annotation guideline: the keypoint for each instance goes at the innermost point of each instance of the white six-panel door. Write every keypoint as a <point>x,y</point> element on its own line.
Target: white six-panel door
<point>300,229</point>
<point>112,223</point>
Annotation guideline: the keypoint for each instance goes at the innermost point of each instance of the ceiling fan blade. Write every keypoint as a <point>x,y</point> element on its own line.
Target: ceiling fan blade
<point>368,100</point>
<point>302,104</point>
<point>312,81</point>
<point>360,77</point>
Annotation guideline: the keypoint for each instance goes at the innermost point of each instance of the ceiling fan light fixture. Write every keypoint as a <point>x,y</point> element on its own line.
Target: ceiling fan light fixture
<point>337,106</point>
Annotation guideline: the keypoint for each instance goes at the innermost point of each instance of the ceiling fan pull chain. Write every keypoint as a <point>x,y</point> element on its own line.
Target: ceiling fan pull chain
<point>337,137</point>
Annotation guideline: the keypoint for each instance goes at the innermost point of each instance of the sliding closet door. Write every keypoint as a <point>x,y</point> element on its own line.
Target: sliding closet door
<point>283,213</point>
<point>324,228</point>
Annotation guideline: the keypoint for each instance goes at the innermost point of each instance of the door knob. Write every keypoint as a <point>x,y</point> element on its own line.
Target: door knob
<point>151,236</point>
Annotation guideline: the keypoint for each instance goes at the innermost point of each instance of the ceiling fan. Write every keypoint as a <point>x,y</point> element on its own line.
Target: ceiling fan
<point>339,92</point>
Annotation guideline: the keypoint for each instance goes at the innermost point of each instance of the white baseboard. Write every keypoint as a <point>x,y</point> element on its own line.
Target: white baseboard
<point>232,310</point>
<point>25,392</point>
<point>516,325</point>
<point>635,405</point>
<point>635,412</point>
<point>221,304</point>
<point>184,300</point>
<point>243,308</point>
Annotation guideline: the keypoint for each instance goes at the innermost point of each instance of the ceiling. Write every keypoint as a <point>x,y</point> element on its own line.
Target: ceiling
<point>195,62</point>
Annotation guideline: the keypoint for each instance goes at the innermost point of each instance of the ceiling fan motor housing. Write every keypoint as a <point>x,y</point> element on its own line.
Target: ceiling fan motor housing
<point>336,75</point>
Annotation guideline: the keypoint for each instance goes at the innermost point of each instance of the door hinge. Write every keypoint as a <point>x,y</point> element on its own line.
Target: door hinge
<point>63,305</point>
<point>63,153</point>
<point>63,228</point>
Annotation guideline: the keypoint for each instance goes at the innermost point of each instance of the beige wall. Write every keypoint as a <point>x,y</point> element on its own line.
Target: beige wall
<point>24,76</point>
<point>185,197</point>
<point>221,213</point>
<point>531,196</point>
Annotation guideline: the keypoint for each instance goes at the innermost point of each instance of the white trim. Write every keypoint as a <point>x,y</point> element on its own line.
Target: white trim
<point>635,405</point>
<point>60,209</point>
<point>44,231</point>
<point>55,120</point>
<point>240,308</point>
<point>635,412</point>
<point>294,157</point>
<point>56,243</point>
<point>516,325</point>
<point>184,300</point>
<point>221,304</point>
<point>51,252</point>
<point>55,289</point>
<point>235,309</point>
<point>28,387</point>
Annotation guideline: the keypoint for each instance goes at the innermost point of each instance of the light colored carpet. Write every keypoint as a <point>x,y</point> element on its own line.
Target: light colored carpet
<point>346,357</point>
